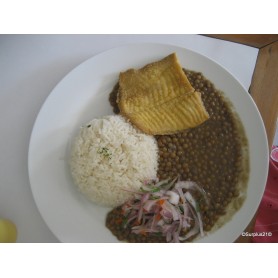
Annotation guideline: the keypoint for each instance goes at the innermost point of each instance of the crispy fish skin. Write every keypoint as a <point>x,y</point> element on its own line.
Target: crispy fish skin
<point>164,121</point>
<point>152,85</point>
<point>159,99</point>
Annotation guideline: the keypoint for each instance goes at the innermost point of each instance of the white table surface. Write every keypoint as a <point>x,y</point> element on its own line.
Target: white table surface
<point>31,66</point>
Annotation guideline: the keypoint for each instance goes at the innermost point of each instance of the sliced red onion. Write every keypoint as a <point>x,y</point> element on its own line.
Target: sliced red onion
<point>194,204</point>
<point>168,236</point>
<point>200,224</point>
<point>170,185</point>
<point>192,185</point>
<point>160,222</point>
<point>166,214</point>
<point>145,197</point>
<point>184,205</point>
<point>190,199</point>
<point>169,207</point>
<point>165,208</point>
<point>148,205</point>
<point>173,197</point>
<point>176,237</point>
<point>159,184</point>
<point>131,219</point>
<point>192,232</point>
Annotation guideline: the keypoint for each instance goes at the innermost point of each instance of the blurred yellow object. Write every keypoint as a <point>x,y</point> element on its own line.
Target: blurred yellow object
<point>8,231</point>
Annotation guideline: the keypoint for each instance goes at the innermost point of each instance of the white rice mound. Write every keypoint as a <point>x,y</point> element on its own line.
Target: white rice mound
<point>108,156</point>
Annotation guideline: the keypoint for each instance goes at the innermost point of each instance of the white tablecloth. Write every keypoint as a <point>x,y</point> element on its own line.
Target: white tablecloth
<point>31,66</point>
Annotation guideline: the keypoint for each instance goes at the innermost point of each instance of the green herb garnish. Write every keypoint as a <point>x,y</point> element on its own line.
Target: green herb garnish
<point>105,152</point>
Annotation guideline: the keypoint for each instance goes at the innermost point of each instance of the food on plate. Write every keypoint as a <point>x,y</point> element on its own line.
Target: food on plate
<point>166,210</point>
<point>159,99</point>
<point>110,159</point>
<point>214,155</point>
<point>180,184</point>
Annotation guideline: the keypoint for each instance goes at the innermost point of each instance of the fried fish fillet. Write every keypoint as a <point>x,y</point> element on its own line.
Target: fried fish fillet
<point>159,99</point>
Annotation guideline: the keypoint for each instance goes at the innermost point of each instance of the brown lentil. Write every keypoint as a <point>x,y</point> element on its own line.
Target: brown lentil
<point>209,154</point>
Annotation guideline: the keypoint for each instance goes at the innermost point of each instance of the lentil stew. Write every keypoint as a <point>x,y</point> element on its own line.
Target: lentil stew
<point>213,154</point>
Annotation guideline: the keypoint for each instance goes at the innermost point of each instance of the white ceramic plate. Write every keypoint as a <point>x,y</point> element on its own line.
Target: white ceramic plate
<point>83,95</point>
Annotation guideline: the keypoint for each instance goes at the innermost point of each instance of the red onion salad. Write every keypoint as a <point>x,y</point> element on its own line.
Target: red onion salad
<point>165,208</point>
